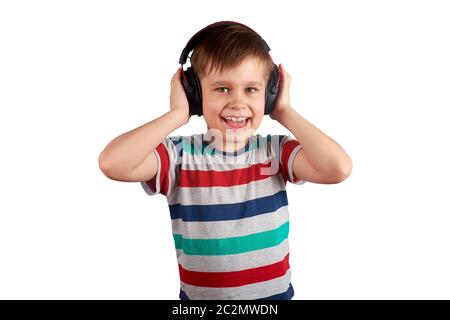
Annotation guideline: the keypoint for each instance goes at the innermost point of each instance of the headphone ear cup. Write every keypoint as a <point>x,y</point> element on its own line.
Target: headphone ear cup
<point>272,90</point>
<point>193,91</point>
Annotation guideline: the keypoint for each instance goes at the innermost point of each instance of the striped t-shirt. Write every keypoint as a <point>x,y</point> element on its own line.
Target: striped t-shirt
<point>229,213</point>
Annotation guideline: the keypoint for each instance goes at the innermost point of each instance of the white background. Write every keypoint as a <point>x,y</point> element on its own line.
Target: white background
<point>373,75</point>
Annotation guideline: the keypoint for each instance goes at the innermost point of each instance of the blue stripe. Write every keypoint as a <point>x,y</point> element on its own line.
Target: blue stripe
<point>233,211</point>
<point>287,295</point>
<point>176,140</point>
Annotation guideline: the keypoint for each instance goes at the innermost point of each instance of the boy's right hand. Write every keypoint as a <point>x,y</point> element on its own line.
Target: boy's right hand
<point>178,100</point>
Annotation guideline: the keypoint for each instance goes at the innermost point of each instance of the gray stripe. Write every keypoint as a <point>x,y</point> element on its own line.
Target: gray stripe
<point>248,292</point>
<point>205,159</point>
<point>171,150</point>
<point>225,165</point>
<point>158,187</point>
<point>231,228</point>
<point>234,194</point>
<point>291,164</point>
<point>173,157</point>
<point>234,262</point>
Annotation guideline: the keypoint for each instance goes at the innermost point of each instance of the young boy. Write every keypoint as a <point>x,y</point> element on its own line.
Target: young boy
<point>226,188</point>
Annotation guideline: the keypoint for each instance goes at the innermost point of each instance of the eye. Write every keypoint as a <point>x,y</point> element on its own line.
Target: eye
<point>222,88</point>
<point>255,89</point>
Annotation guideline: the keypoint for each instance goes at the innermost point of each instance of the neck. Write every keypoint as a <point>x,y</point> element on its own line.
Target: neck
<point>227,145</point>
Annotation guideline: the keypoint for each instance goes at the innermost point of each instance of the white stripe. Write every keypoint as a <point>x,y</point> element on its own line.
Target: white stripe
<point>144,184</point>
<point>231,228</point>
<point>173,156</point>
<point>171,151</point>
<point>234,262</point>
<point>291,165</point>
<point>205,158</point>
<point>226,195</point>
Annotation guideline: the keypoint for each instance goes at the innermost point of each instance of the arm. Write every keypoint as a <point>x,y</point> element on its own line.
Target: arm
<point>321,159</point>
<point>130,157</point>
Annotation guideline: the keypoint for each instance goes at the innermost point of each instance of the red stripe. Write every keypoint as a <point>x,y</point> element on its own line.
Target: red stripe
<point>286,151</point>
<point>164,171</point>
<point>152,183</point>
<point>235,278</point>
<point>211,178</point>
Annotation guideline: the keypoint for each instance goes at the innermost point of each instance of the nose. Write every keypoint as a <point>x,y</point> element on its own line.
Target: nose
<point>237,102</point>
<point>237,106</point>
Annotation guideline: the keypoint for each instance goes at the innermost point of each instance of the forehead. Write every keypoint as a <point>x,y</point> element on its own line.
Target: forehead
<point>249,71</point>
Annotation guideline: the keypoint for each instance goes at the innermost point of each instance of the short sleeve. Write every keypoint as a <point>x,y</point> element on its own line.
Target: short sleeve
<point>167,154</point>
<point>289,148</point>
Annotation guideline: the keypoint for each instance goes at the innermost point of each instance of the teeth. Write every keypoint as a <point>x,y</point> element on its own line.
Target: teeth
<point>235,119</point>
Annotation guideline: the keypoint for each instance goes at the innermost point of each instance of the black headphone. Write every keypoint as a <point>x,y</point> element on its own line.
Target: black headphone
<point>191,82</point>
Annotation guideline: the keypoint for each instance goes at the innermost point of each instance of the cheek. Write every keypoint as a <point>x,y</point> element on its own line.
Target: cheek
<point>259,115</point>
<point>211,114</point>
<point>257,120</point>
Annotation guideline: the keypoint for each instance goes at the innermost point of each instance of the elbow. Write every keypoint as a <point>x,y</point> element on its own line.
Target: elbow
<point>104,165</point>
<point>344,170</point>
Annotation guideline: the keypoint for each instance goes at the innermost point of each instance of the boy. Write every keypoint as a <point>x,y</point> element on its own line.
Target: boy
<point>226,189</point>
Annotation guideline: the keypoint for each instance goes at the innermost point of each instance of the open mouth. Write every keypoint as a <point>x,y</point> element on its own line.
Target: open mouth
<point>235,123</point>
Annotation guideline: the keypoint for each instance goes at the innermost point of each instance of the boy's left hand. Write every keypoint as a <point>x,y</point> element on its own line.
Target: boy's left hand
<point>283,101</point>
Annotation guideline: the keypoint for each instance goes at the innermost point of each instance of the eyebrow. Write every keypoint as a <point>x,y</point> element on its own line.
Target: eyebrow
<point>227,83</point>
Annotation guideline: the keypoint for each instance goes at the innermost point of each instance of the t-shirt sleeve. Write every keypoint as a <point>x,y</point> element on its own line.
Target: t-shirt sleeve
<point>289,148</point>
<point>167,155</point>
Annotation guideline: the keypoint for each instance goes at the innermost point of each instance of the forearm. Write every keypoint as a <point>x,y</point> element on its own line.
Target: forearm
<point>129,150</point>
<point>323,152</point>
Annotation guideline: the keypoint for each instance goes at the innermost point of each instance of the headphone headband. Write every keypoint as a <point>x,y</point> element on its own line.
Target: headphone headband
<point>196,38</point>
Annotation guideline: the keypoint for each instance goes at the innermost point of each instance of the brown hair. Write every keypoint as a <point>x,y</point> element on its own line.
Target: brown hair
<point>226,46</point>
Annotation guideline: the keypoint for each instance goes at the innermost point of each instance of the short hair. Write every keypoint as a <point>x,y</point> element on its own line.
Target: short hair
<point>226,46</point>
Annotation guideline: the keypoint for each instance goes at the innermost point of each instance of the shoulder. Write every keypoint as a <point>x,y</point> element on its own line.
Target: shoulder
<point>174,146</point>
<point>175,139</point>
<point>189,144</point>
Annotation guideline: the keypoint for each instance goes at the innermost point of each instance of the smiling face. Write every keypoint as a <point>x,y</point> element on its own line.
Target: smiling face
<point>233,103</point>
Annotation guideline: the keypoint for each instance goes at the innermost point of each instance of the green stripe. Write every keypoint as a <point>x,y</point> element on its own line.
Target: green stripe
<point>194,149</point>
<point>215,247</point>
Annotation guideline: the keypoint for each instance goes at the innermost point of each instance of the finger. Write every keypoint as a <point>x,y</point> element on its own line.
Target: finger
<point>281,80</point>
<point>176,76</point>
<point>285,73</point>
<point>286,76</point>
